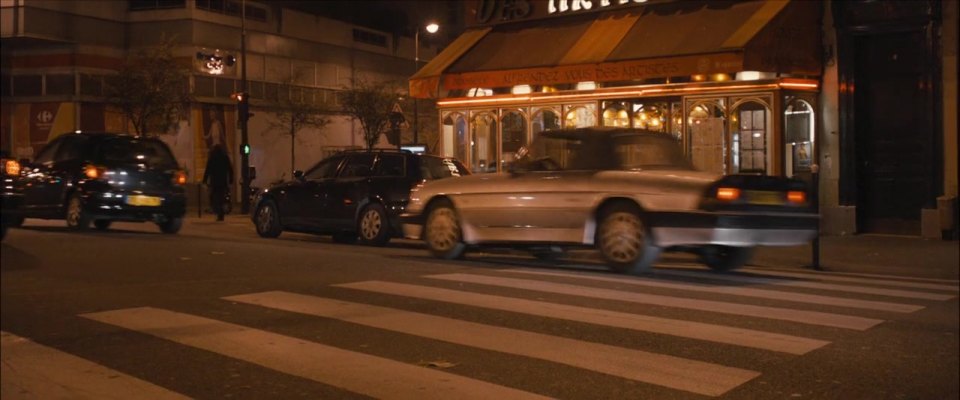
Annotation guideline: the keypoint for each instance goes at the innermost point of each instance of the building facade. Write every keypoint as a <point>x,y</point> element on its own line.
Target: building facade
<point>858,98</point>
<point>58,54</point>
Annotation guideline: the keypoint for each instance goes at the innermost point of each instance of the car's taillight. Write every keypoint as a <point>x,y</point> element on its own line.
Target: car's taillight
<point>728,193</point>
<point>94,172</point>
<point>11,167</point>
<point>179,178</point>
<point>797,197</point>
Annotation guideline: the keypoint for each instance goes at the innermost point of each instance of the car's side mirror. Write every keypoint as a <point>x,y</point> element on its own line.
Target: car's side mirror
<point>298,174</point>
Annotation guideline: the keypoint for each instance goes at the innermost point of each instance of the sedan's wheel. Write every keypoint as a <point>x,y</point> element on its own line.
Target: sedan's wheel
<point>725,258</point>
<point>442,232</point>
<point>373,227</point>
<point>76,217</point>
<point>624,241</point>
<point>170,225</point>
<point>268,220</point>
<point>102,224</point>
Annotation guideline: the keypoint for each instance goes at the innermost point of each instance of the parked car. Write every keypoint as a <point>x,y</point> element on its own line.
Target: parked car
<point>352,195</point>
<point>99,177</point>
<point>629,193</point>
<point>10,196</point>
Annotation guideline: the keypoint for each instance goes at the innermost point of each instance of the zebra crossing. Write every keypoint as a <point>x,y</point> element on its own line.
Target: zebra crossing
<point>815,301</point>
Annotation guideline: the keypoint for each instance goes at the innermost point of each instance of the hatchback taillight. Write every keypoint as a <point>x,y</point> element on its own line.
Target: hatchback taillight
<point>179,178</point>
<point>728,193</point>
<point>797,197</point>
<point>11,167</point>
<point>94,172</point>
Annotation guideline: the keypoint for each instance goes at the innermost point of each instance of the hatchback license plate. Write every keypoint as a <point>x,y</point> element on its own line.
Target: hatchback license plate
<point>144,201</point>
<point>764,197</point>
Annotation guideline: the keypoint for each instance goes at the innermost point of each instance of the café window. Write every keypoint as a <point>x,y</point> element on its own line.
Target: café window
<point>651,115</point>
<point>483,142</point>
<point>544,119</point>
<point>615,114</point>
<point>580,116</point>
<point>514,131</point>
<point>750,129</point>
<point>799,134</point>
<point>455,143</point>
<point>705,127</point>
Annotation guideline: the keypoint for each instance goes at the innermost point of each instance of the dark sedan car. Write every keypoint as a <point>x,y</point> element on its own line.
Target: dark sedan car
<point>351,195</point>
<point>98,178</point>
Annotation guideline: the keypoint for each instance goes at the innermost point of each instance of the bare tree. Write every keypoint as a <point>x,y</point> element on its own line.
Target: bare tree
<point>150,89</point>
<point>296,109</point>
<point>369,103</point>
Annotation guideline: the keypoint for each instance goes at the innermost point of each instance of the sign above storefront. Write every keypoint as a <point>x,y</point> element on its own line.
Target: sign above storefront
<point>492,12</point>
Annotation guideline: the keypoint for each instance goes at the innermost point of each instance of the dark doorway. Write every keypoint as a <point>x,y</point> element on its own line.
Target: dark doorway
<point>894,131</point>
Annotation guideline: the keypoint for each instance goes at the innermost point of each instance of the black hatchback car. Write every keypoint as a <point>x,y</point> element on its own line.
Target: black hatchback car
<point>353,195</point>
<point>98,178</point>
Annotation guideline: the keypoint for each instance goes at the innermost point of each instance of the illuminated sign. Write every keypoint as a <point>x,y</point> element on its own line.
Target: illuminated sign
<point>213,62</point>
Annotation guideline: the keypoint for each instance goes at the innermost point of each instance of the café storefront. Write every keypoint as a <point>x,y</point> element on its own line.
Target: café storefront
<point>734,82</point>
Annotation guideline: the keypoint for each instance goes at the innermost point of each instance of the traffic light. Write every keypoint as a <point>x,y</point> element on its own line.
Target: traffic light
<point>245,149</point>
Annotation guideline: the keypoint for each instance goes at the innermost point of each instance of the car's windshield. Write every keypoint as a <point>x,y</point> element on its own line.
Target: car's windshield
<point>152,153</point>
<point>617,152</point>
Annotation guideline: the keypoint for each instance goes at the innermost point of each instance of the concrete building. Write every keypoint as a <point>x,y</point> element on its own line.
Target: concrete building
<point>56,55</point>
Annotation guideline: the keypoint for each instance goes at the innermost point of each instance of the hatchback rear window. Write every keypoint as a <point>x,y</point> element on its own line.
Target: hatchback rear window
<point>438,168</point>
<point>152,153</point>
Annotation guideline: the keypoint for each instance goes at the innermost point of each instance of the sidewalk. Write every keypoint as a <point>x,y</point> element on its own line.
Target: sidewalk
<point>871,254</point>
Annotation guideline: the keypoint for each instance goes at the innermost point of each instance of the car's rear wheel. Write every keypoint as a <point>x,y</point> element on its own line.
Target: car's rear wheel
<point>624,240</point>
<point>15,222</point>
<point>102,224</point>
<point>268,220</point>
<point>170,225</point>
<point>725,258</point>
<point>77,219</point>
<point>442,232</point>
<point>373,226</point>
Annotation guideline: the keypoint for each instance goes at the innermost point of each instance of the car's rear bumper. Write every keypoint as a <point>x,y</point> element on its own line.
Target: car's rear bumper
<point>115,207</point>
<point>733,229</point>
<point>10,205</point>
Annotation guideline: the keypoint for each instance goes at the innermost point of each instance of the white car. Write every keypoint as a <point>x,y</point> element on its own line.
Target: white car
<point>629,193</point>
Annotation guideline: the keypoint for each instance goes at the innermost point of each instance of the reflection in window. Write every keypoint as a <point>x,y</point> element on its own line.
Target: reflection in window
<point>705,123</point>
<point>615,114</point>
<point>545,120</point>
<point>514,130</point>
<point>483,143</point>
<point>651,116</point>
<point>749,148</point>
<point>581,116</point>
<point>455,143</point>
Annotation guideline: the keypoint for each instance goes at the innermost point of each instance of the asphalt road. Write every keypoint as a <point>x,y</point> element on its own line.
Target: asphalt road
<point>217,312</point>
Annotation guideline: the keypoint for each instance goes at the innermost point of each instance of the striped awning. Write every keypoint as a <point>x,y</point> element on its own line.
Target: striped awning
<point>656,41</point>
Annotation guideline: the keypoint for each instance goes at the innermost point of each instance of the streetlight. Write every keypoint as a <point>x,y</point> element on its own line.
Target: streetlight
<point>430,28</point>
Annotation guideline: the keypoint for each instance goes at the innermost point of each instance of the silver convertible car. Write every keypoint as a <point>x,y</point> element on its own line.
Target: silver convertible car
<point>631,194</point>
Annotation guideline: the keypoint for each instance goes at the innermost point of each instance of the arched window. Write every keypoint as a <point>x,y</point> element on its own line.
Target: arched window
<point>545,119</point>
<point>705,126</point>
<point>615,114</point>
<point>750,132</point>
<point>455,143</point>
<point>514,131</point>
<point>483,142</point>
<point>799,136</point>
<point>581,116</point>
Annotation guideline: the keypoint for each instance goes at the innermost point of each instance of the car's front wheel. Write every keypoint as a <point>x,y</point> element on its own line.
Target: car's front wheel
<point>442,232</point>
<point>171,225</point>
<point>77,219</point>
<point>624,240</point>
<point>373,226</point>
<point>268,220</point>
<point>725,258</point>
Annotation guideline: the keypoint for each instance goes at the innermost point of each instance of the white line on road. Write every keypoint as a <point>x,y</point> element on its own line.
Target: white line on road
<point>909,294</point>
<point>33,371</point>
<point>356,372</point>
<point>673,327</point>
<point>658,369</point>
<point>826,276</point>
<point>783,314</point>
<point>732,290</point>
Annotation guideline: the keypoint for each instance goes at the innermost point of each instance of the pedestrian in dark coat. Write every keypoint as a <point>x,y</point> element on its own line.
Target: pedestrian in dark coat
<point>217,176</point>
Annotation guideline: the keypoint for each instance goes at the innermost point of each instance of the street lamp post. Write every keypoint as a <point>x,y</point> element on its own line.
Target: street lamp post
<point>430,28</point>
<point>244,116</point>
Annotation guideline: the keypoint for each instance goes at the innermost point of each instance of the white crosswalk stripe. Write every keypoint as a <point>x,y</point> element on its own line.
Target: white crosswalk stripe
<point>842,278</point>
<point>32,371</point>
<point>383,377</point>
<point>783,314</point>
<point>736,291</point>
<point>357,372</point>
<point>673,372</point>
<point>673,327</point>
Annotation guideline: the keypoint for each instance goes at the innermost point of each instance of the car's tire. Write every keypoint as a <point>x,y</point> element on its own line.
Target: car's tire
<point>344,237</point>
<point>76,218</point>
<point>267,220</point>
<point>442,232</point>
<point>625,241</point>
<point>373,225</point>
<point>171,225</point>
<point>102,224</point>
<point>725,258</point>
